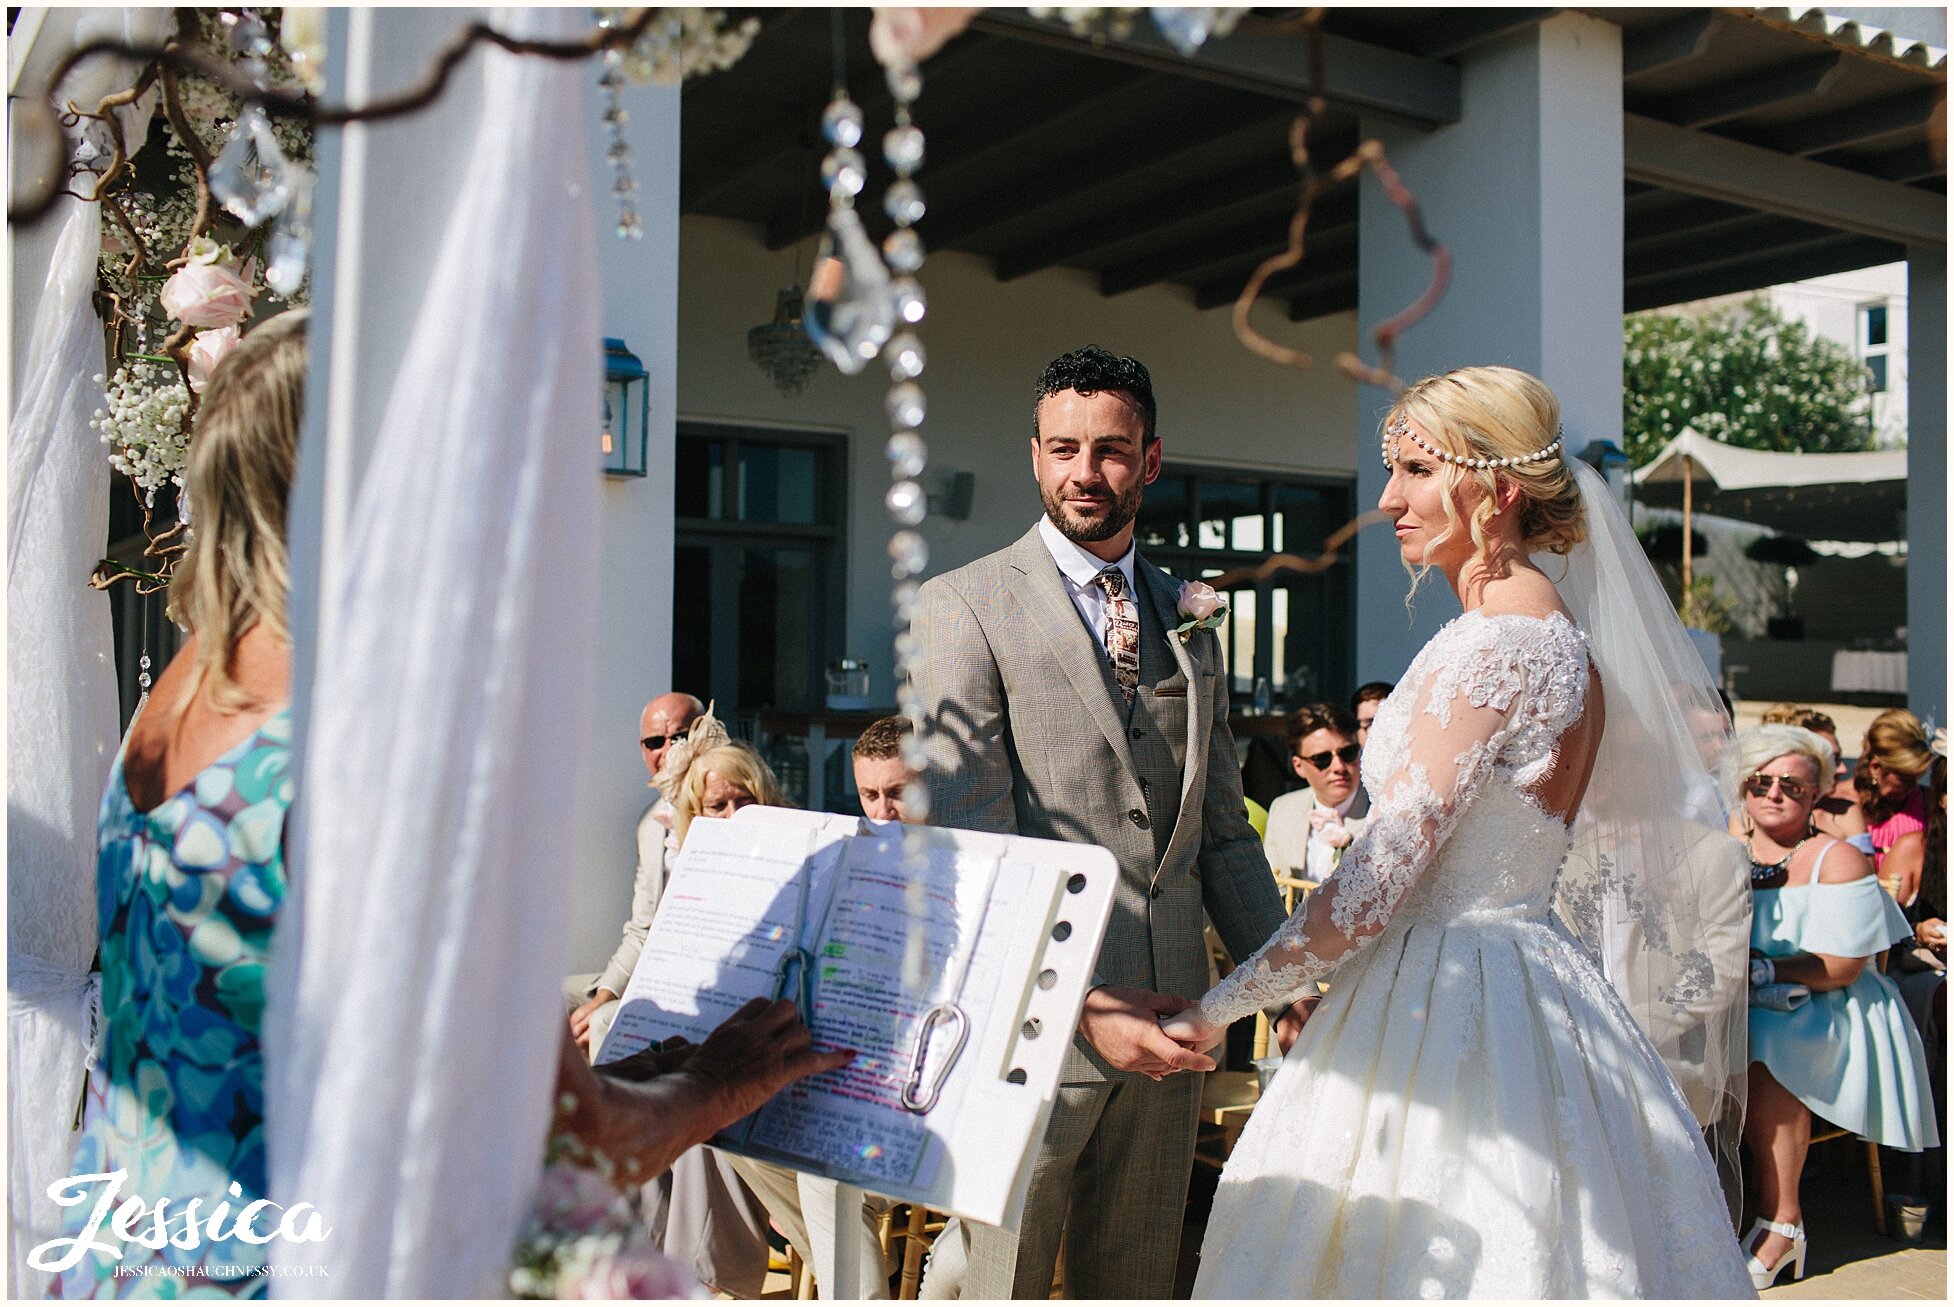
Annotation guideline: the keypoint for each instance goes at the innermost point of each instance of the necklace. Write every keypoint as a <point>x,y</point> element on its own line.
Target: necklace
<point>1773,875</point>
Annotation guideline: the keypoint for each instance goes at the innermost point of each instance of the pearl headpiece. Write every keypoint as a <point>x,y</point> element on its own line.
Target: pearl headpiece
<point>1401,430</point>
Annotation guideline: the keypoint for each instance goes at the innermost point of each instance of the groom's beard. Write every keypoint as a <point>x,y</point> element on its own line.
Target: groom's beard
<point>1086,531</point>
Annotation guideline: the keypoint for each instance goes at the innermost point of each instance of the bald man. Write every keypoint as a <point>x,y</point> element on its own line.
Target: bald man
<point>662,724</point>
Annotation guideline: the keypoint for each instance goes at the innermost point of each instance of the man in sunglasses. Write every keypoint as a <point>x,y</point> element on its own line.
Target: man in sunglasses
<point>1310,828</point>
<point>664,722</point>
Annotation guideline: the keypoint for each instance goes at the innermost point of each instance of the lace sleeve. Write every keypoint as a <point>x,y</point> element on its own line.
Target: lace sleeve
<point>1453,737</point>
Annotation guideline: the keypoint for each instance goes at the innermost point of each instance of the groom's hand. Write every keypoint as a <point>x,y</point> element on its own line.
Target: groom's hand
<point>1124,1026</point>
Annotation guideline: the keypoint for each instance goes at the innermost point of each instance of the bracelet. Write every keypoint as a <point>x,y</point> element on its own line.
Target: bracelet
<point>1763,971</point>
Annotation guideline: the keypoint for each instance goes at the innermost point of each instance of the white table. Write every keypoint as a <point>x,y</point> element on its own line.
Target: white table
<point>1866,672</point>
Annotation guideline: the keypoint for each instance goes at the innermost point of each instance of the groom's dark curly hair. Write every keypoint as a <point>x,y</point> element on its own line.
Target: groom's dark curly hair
<point>1091,370</point>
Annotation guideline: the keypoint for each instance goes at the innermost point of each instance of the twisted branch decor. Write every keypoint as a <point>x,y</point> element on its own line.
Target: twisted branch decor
<point>176,56</point>
<point>1368,154</point>
<point>1277,564</point>
<point>165,548</point>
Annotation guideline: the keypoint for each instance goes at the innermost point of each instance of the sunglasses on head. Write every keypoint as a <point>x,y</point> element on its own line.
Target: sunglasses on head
<point>1349,753</point>
<point>658,741</point>
<point>1795,788</point>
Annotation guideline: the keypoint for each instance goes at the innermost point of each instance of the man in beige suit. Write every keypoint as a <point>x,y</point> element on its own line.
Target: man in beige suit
<point>1063,705</point>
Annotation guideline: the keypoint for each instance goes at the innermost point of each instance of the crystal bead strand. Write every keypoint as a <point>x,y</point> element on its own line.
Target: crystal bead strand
<point>908,503</point>
<point>611,82</point>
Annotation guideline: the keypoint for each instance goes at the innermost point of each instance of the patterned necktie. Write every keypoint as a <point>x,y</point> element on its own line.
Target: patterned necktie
<point>1122,631</point>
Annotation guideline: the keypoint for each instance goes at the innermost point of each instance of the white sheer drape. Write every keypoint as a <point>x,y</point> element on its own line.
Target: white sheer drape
<point>61,692</point>
<point>409,1089</point>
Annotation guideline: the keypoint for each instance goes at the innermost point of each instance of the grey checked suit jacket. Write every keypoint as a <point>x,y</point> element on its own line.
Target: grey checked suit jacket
<point>1029,736</point>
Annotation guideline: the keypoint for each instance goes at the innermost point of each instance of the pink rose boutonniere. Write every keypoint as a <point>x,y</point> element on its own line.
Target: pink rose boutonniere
<point>1201,609</point>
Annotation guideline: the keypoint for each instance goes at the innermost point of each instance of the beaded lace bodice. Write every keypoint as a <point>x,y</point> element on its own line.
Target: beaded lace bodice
<point>1455,835</point>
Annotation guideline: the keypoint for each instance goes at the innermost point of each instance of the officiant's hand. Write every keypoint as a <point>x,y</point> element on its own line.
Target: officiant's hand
<point>754,1054</point>
<point>1123,1025</point>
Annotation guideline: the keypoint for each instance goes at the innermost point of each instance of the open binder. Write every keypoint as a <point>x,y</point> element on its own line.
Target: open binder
<point>952,1086</point>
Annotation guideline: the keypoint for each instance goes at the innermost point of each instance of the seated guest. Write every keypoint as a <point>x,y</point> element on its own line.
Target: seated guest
<point>1370,696</point>
<point>720,782</point>
<point>1310,828</point>
<point>1828,1034</point>
<point>881,777</point>
<point>662,728</point>
<point>1838,813</point>
<point>1896,756</point>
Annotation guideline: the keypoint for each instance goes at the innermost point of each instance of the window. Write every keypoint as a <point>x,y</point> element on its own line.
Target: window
<point>757,593</point>
<point>1296,629</point>
<point>1873,344</point>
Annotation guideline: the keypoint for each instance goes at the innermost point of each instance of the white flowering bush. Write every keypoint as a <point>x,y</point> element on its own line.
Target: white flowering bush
<point>1749,377</point>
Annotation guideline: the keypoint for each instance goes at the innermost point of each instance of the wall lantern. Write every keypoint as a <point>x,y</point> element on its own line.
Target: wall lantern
<point>627,410</point>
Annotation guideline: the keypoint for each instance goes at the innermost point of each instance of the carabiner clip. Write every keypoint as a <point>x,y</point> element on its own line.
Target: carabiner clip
<point>796,959</point>
<point>914,1096</point>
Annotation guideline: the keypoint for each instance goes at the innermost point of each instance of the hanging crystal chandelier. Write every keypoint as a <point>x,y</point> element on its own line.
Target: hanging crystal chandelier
<point>782,348</point>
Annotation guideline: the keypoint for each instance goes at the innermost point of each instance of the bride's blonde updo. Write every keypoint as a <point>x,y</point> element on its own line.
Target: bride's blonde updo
<point>1498,414</point>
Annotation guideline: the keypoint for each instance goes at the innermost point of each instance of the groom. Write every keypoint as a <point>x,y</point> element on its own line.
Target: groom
<point>1063,705</point>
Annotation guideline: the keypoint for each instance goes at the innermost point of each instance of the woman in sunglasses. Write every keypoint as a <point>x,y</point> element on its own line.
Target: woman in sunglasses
<point>1828,1035</point>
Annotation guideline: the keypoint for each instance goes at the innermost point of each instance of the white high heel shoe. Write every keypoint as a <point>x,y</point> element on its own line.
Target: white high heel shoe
<point>1762,1276</point>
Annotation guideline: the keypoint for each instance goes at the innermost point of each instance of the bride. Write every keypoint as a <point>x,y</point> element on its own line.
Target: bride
<point>1474,1110</point>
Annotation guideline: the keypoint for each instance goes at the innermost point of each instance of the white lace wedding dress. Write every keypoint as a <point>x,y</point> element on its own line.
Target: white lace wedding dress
<point>1472,1112</point>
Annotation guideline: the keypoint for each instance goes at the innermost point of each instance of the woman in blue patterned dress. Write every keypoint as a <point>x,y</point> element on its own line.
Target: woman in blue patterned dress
<point>191,871</point>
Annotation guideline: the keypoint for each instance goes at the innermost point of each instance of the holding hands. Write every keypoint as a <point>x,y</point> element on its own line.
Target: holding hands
<point>1124,1026</point>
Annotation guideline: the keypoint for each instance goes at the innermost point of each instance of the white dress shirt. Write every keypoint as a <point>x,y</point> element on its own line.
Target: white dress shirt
<point>1076,568</point>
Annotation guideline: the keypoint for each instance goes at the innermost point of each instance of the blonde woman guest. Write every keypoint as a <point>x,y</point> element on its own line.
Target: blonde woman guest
<point>191,871</point>
<point>720,782</point>
<point>1837,813</point>
<point>1473,1111</point>
<point>1829,1036</point>
<point>1896,756</point>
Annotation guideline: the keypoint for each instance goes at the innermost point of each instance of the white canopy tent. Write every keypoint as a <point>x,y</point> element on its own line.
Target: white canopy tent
<point>1811,496</point>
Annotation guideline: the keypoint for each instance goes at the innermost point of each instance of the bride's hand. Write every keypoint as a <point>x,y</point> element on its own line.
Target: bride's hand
<point>1192,1030</point>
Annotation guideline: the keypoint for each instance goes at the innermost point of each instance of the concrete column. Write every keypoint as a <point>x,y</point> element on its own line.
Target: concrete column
<point>1927,481</point>
<point>1526,192</point>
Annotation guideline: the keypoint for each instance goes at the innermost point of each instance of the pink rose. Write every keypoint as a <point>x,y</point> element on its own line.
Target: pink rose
<point>636,1272</point>
<point>207,350</point>
<point>903,38</point>
<point>206,295</point>
<point>1199,601</point>
<point>572,1197</point>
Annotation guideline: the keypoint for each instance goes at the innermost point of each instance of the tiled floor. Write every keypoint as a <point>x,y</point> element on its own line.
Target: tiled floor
<point>1849,1259</point>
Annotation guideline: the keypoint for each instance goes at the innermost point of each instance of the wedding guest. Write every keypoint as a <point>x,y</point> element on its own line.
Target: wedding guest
<point>1920,970</point>
<point>190,877</point>
<point>720,782</point>
<point>882,779</point>
<point>1829,1036</point>
<point>662,727</point>
<point>1364,704</point>
<point>1838,813</point>
<point>1310,828</point>
<point>1896,756</point>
